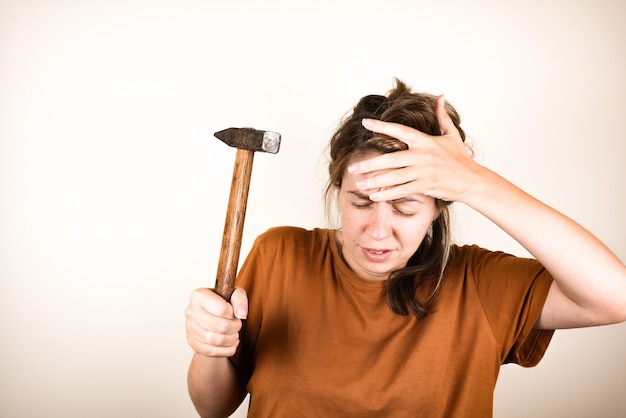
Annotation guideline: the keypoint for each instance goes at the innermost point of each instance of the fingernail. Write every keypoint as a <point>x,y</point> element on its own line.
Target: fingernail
<point>368,123</point>
<point>353,169</point>
<point>374,197</point>
<point>241,313</point>
<point>361,184</point>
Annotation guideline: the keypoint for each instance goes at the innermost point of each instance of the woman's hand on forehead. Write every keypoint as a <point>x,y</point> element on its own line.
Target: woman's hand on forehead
<point>436,166</point>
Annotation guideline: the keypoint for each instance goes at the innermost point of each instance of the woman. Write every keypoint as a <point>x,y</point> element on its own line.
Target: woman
<point>385,317</point>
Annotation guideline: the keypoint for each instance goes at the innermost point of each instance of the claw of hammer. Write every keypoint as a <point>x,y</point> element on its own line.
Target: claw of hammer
<point>247,141</point>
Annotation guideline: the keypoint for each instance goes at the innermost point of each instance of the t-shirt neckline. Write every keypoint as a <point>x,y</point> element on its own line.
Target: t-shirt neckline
<point>344,269</point>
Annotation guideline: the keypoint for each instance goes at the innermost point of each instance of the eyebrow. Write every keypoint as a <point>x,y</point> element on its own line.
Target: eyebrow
<point>364,196</point>
<point>359,195</point>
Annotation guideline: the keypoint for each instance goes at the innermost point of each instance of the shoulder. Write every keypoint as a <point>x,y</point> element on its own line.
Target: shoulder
<point>293,237</point>
<point>476,255</point>
<point>473,261</point>
<point>286,233</point>
<point>288,248</point>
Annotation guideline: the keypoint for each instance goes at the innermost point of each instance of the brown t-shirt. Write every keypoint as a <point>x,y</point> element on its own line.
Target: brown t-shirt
<point>321,342</point>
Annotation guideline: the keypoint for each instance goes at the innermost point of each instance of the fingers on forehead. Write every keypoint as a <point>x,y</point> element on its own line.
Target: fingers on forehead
<point>371,166</point>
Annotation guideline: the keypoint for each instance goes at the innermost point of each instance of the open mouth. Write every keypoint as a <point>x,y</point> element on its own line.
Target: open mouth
<point>376,255</point>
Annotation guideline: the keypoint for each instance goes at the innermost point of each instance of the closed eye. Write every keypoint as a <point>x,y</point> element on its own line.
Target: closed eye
<point>360,200</point>
<point>362,204</point>
<point>403,206</point>
<point>405,209</point>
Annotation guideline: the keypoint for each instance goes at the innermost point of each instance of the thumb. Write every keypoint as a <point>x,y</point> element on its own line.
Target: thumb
<point>239,301</point>
<point>445,123</point>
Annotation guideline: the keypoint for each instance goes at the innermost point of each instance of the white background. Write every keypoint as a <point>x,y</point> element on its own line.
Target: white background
<point>113,189</point>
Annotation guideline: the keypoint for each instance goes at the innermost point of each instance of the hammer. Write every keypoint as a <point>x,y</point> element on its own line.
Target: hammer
<point>247,141</point>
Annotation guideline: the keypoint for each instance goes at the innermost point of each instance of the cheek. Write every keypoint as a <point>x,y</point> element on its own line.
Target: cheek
<point>350,221</point>
<point>414,232</point>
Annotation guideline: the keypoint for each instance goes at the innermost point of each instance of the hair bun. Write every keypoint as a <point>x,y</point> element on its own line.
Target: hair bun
<point>373,105</point>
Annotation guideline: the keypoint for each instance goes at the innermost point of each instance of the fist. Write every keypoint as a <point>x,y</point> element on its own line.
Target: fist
<point>213,324</point>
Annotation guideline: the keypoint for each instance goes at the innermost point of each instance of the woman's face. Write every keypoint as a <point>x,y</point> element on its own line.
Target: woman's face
<point>380,237</point>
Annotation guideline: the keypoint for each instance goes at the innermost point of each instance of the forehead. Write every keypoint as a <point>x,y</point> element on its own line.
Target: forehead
<point>362,156</point>
<point>352,194</point>
<point>357,157</point>
<point>349,189</point>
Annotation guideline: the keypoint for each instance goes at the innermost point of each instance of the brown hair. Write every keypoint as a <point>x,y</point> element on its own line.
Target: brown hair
<point>410,289</point>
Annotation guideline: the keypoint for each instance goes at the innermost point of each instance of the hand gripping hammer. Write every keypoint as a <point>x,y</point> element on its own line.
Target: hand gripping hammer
<point>247,141</point>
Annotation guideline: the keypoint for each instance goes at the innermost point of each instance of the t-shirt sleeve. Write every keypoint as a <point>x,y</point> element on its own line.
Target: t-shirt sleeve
<point>512,291</point>
<point>265,260</point>
<point>250,278</point>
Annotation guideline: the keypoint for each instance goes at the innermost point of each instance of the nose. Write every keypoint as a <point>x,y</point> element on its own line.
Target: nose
<point>379,223</point>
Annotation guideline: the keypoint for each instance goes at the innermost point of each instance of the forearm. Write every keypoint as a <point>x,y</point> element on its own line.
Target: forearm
<point>583,268</point>
<point>214,386</point>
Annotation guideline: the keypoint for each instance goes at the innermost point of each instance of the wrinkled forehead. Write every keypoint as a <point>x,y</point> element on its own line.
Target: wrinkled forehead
<point>348,184</point>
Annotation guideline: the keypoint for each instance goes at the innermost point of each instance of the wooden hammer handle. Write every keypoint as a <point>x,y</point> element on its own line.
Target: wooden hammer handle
<point>233,227</point>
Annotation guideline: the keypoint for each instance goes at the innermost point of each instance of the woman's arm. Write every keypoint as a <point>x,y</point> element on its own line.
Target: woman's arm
<point>213,326</point>
<point>589,285</point>
<point>214,386</point>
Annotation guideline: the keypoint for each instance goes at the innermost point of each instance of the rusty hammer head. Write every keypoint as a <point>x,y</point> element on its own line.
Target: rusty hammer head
<point>250,139</point>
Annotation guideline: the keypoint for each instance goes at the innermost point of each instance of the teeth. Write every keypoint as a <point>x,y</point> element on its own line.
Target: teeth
<point>376,252</point>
